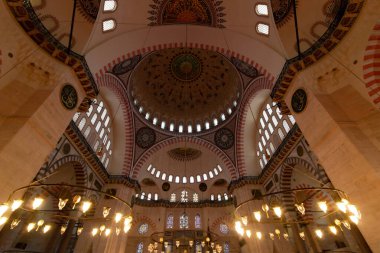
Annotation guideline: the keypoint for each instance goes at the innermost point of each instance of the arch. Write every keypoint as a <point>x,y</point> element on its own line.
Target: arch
<point>371,65</point>
<point>287,174</point>
<point>174,140</point>
<point>144,219</point>
<point>225,51</point>
<point>227,219</point>
<point>255,86</point>
<point>80,168</point>
<point>111,82</point>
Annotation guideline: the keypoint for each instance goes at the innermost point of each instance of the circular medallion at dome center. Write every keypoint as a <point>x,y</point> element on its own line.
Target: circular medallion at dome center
<point>186,67</point>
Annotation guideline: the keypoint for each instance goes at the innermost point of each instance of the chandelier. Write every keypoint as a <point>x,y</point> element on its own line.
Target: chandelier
<point>186,241</point>
<point>68,207</point>
<point>264,212</point>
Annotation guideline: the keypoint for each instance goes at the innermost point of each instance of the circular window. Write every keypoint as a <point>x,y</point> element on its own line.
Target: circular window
<point>223,228</point>
<point>143,229</point>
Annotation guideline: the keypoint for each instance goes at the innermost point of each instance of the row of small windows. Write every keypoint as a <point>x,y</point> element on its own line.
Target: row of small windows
<point>272,131</point>
<point>183,221</point>
<point>147,196</point>
<point>181,128</point>
<point>198,247</point>
<point>184,198</point>
<point>184,180</point>
<point>262,9</point>
<point>109,24</point>
<point>95,127</point>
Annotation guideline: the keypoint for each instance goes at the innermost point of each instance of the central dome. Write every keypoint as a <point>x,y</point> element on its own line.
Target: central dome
<point>185,90</point>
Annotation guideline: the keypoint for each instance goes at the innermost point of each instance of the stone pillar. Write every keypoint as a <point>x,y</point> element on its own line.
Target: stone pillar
<point>32,118</point>
<point>342,125</point>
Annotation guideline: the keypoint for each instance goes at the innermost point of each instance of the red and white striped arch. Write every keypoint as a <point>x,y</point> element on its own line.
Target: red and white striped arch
<point>371,66</point>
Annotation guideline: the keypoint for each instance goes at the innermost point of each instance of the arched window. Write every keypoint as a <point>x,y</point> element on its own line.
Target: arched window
<point>94,126</point>
<point>184,221</point>
<point>226,247</point>
<point>184,196</point>
<point>271,126</point>
<point>172,197</point>
<point>197,224</point>
<point>195,198</point>
<point>170,221</point>
<point>140,248</point>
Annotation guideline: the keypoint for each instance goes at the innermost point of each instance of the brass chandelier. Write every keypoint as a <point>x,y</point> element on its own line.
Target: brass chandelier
<point>68,208</point>
<point>266,213</point>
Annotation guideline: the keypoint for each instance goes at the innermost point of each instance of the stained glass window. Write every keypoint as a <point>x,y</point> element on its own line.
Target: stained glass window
<point>197,221</point>
<point>223,228</point>
<point>184,221</point>
<point>184,196</point>
<point>140,248</point>
<point>170,221</point>
<point>143,229</point>
<point>226,247</point>
<point>195,197</point>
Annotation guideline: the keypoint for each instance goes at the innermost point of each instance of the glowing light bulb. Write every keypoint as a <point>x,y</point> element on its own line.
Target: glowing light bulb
<point>106,211</point>
<point>302,235</point>
<point>102,228</point>
<point>177,243</point>
<point>271,236</point>
<point>127,226</point>
<point>79,231</point>
<point>277,211</point>
<point>203,244</point>
<point>277,232</point>
<point>62,203</point>
<point>86,205</point>
<point>46,229</point>
<point>94,231</point>
<point>3,209</point>
<point>286,236</point>
<point>333,230</point>
<point>39,224</point>
<point>257,215</point>
<point>259,235</point>
<point>118,217</point>
<point>16,204</point>
<point>319,233</point>
<point>265,208</point>
<point>244,219</point>
<point>353,210</point>
<point>15,223</point>
<point>342,206</point>
<point>323,206</point>
<point>347,224</point>
<point>3,220</point>
<point>249,233</point>
<point>63,229</point>
<point>191,243</point>
<point>37,202</point>
<point>117,230</point>
<point>300,208</point>
<point>76,200</point>
<point>107,232</point>
<point>30,226</point>
<point>354,219</point>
